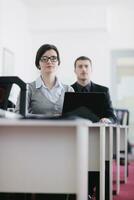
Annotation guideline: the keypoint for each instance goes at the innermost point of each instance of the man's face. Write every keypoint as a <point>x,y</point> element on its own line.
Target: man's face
<point>83,70</point>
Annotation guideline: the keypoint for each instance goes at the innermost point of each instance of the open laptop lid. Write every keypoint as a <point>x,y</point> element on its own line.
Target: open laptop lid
<point>88,105</point>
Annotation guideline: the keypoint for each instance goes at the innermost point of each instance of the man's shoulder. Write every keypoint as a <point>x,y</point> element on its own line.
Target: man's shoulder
<point>98,88</point>
<point>94,87</point>
<point>74,86</point>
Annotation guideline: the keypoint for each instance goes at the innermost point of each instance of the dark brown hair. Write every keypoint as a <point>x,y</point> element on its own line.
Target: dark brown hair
<point>42,50</point>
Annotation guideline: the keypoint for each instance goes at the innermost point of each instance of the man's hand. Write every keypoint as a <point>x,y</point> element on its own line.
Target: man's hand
<point>105,120</point>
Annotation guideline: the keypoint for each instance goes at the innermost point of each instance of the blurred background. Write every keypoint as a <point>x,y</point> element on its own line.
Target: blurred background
<point>100,29</point>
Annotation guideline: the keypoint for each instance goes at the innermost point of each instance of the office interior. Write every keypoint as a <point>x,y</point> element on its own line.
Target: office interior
<point>100,29</point>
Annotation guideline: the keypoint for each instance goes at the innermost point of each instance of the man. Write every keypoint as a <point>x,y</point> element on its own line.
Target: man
<point>83,71</point>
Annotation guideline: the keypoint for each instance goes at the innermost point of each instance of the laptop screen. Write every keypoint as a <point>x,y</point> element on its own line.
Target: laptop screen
<point>88,105</point>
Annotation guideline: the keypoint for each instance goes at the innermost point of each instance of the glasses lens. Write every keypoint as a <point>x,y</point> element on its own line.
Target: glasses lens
<point>53,58</point>
<point>45,59</point>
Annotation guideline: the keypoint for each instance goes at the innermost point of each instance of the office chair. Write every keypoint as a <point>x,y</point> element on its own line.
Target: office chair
<point>122,116</point>
<point>6,83</point>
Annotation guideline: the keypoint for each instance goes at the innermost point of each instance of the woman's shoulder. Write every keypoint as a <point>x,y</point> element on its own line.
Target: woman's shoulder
<point>67,88</point>
<point>31,86</point>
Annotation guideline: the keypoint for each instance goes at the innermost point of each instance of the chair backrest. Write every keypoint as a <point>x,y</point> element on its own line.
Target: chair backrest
<point>6,83</point>
<point>122,116</point>
<point>4,94</point>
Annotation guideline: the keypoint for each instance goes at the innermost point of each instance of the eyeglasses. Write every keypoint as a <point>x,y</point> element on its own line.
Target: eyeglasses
<point>45,59</point>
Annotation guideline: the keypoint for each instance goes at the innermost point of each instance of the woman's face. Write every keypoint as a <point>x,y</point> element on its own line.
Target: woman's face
<point>49,62</point>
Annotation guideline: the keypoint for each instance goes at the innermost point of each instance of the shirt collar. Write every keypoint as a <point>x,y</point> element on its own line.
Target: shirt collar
<point>39,83</point>
<point>58,83</point>
<point>80,87</point>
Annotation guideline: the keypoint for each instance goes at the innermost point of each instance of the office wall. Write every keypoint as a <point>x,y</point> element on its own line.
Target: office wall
<point>0,35</point>
<point>15,37</point>
<point>76,30</point>
<point>120,23</point>
<point>73,44</point>
<point>90,29</point>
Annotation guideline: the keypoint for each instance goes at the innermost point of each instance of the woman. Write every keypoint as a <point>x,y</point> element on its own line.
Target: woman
<point>46,94</point>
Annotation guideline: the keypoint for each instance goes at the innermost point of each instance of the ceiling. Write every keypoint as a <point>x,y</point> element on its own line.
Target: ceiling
<point>34,3</point>
<point>56,12</point>
<point>41,2</point>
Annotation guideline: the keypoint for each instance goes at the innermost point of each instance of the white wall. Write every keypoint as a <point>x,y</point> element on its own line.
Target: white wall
<point>0,35</point>
<point>76,30</point>
<point>120,23</point>
<point>15,36</point>
<point>73,44</point>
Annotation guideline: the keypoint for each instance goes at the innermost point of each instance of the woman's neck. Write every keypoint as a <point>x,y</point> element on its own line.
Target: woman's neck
<point>49,81</point>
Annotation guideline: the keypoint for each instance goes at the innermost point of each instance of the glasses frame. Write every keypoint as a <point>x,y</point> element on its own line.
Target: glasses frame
<point>45,59</point>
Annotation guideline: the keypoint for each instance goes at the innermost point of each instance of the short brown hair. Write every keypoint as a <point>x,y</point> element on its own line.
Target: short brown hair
<point>82,58</point>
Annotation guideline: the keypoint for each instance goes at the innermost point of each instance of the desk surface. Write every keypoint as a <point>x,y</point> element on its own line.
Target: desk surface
<point>40,156</point>
<point>21,152</point>
<point>76,122</point>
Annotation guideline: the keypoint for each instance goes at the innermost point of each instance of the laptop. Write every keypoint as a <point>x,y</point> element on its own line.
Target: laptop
<point>86,105</point>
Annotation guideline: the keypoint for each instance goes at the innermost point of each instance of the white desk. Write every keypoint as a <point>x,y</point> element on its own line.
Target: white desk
<point>109,158</point>
<point>101,147</point>
<point>96,162</point>
<point>116,141</point>
<point>123,147</point>
<point>51,156</point>
<point>44,156</point>
<point>120,136</point>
